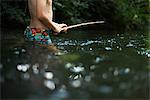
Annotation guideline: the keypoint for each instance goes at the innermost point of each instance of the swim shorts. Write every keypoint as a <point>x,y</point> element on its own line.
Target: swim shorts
<point>38,36</point>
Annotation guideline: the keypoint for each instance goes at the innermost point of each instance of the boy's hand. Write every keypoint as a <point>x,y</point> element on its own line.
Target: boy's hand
<point>59,28</point>
<point>63,27</point>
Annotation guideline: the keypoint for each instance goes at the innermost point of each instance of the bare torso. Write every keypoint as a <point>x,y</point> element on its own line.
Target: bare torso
<point>35,22</point>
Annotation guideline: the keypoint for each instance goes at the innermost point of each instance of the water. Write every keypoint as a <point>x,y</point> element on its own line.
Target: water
<point>94,65</point>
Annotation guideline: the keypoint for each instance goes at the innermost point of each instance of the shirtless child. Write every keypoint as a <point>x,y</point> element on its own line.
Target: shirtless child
<point>41,23</point>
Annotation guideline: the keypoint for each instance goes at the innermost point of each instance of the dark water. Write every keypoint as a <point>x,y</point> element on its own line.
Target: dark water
<point>94,65</point>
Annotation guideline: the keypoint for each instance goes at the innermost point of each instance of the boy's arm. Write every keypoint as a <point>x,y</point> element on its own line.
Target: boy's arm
<point>44,18</point>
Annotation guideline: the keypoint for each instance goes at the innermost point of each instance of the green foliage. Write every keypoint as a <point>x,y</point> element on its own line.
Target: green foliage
<point>133,13</point>
<point>119,14</point>
<point>72,10</point>
<point>12,11</point>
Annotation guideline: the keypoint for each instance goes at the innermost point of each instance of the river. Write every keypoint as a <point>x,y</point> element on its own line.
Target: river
<point>94,65</point>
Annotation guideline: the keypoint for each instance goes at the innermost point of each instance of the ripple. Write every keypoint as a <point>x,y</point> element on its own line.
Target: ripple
<point>23,50</point>
<point>98,59</point>
<point>48,75</point>
<point>92,67</point>
<point>122,71</point>
<point>66,43</point>
<point>75,83</point>
<point>23,67</point>
<point>88,78</point>
<point>145,52</point>
<point>35,68</point>
<point>77,76</point>
<point>105,89</point>
<point>17,52</point>
<point>108,48</point>
<point>69,65</point>
<point>116,72</point>
<point>91,49</point>
<point>75,42</point>
<point>129,45</point>
<point>104,76</point>
<point>126,70</point>
<point>77,69</point>
<point>59,94</point>
<point>26,76</point>
<point>74,77</point>
<point>49,84</point>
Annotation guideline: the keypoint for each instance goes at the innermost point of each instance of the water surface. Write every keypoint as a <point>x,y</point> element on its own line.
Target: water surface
<point>94,65</point>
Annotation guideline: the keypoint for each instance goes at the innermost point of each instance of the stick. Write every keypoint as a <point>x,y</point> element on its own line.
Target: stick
<point>83,24</point>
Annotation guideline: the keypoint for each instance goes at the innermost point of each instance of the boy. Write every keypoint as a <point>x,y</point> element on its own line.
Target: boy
<point>41,23</point>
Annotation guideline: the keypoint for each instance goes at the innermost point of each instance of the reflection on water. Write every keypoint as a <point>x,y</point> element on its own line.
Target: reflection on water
<point>93,66</point>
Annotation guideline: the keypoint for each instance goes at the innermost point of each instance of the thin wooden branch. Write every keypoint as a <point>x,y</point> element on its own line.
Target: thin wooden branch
<point>83,24</point>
